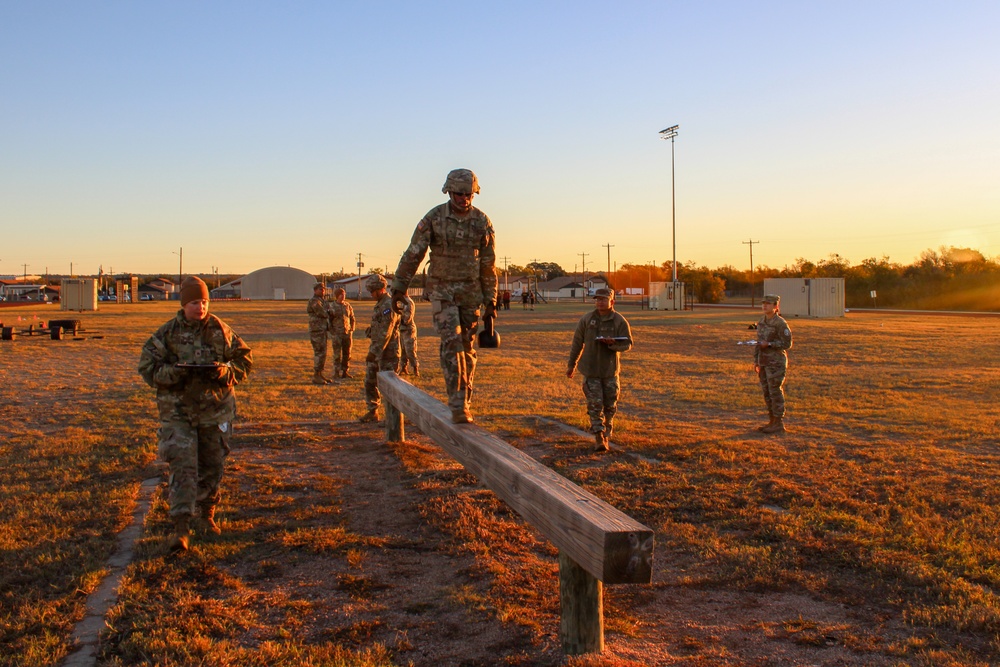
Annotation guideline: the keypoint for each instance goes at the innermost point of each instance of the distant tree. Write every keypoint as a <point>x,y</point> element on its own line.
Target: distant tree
<point>550,270</point>
<point>703,284</point>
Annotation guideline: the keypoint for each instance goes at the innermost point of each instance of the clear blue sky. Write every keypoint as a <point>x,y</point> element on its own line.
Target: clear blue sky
<point>254,134</point>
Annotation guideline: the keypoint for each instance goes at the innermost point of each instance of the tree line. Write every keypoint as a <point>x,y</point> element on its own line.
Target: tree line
<point>947,279</point>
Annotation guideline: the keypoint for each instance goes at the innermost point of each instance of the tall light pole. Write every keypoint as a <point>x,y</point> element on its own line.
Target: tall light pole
<point>180,268</point>
<point>670,133</point>
<point>750,243</point>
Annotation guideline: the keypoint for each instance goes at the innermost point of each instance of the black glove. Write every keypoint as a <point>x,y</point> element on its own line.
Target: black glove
<point>490,310</point>
<point>397,301</point>
<point>371,358</point>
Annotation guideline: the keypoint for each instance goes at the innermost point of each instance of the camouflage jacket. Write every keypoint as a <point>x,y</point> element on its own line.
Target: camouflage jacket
<point>198,396</point>
<point>463,256</point>
<point>779,338</point>
<point>384,331</point>
<point>597,360</point>
<point>319,314</point>
<point>341,318</point>
<point>406,324</point>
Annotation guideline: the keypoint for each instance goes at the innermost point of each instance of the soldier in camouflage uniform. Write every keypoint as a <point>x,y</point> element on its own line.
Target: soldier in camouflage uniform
<point>600,338</point>
<point>319,330</point>
<point>383,351</point>
<point>408,337</point>
<point>770,361</point>
<point>461,280</point>
<point>194,361</point>
<point>341,332</point>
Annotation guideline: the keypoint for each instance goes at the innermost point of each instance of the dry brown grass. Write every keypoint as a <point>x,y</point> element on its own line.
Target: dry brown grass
<point>867,534</point>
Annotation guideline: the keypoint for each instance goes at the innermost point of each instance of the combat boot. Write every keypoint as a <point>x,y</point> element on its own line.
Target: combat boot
<point>319,379</point>
<point>181,538</point>
<point>602,442</point>
<point>770,422</point>
<point>777,426</point>
<point>608,427</point>
<point>402,371</point>
<point>347,375</point>
<point>208,517</point>
<point>461,416</point>
<point>369,417</point>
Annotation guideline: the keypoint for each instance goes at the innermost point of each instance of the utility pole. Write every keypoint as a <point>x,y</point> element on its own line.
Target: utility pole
<point>750,243</point>
<point>583,264</point>
<point>360,266</point>
<point>504,260</point>
<point>25,278</point>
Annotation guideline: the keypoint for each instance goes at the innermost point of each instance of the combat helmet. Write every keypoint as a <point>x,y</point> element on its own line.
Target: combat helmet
<point>462,181</point>
<point>375,281</point>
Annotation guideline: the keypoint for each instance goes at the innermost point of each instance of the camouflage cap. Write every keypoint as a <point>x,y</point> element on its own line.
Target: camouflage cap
<point>771,298</point>
<point>375,281</point>
<point>604,292</point>
<point>462,181</point>
<point>318,285</point>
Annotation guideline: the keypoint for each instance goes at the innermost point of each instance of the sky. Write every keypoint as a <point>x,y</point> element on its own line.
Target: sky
<point>250,134</point>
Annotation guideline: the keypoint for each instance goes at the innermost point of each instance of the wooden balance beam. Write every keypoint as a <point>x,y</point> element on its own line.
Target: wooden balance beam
<point>597,543</point>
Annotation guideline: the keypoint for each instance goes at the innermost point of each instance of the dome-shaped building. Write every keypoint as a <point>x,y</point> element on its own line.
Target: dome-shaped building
<point>277,283</point>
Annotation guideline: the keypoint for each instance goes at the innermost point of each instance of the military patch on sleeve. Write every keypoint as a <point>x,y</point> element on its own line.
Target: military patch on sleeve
<point>422,225</point>
<point>387,311</point>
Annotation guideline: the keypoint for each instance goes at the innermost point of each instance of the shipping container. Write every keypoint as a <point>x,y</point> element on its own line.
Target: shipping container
<point>78,294</point>
<point>666,296</point>
<point>809,297</point>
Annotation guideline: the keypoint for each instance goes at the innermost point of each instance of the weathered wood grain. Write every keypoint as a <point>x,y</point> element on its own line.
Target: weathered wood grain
<point>605,542</point>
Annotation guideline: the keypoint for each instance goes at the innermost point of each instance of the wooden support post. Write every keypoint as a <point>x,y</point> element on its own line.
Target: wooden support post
<point>393,424</point>
<point>582,607</point>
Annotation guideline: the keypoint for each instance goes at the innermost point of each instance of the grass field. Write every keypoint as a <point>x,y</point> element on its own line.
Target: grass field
<point>867,535</point>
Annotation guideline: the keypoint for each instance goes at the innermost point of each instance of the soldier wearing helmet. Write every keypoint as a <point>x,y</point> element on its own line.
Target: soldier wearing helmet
<point>318,310</point>
<point>461,281</point>
<point>341,332</point>
<point>383,350</point>
<point>770,361</point>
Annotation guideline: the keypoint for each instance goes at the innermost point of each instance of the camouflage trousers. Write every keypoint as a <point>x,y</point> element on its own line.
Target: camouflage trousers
<point>318,340</point>
<point>409,344</point>
<point>341,344</point>
<point>772,380</point>
<point>602,402</point>
<point>196,456</point>
<point>389,361</point>
<point>456,325</point>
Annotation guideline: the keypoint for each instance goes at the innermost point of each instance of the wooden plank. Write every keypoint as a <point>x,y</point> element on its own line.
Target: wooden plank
<point>604,541</point>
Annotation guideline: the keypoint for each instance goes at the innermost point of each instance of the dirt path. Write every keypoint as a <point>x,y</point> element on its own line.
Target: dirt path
<point>404,589</point>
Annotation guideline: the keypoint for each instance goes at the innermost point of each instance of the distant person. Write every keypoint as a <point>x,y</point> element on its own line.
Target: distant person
<point>531,299</point>
<point>524,299</point>
<point>506,299</point>
<point>319,331</point>
<point>383,348</point>
<point>461,281</point>
<point>408,337</point>
<point>770,361</point>
<point>600,338</point>
<point>342,326</point>
<point>194,361</point>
